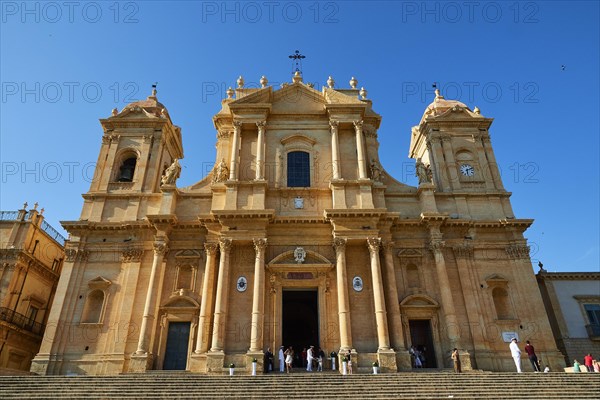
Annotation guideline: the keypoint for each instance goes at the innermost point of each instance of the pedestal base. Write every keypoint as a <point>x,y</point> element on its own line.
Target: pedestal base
<point>260,361</point>
<point>198,362</point>
<point>387,361</point>
<point>465,360</point>
<point>214,362</point>
<point>403,360</point>
<point>140,362</point>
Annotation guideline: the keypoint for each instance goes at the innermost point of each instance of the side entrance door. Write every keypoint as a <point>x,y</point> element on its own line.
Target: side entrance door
<point>177,346</point>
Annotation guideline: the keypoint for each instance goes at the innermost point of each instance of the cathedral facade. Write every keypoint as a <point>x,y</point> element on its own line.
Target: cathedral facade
<point>297,237</point>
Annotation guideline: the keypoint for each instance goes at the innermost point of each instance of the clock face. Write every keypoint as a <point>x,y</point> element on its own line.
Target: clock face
<point>467,170</point>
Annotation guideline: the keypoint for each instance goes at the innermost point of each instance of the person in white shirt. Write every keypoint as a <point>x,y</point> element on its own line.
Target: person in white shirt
<point>515,352</point>
<point>309,358</point>
<point>281,360</point>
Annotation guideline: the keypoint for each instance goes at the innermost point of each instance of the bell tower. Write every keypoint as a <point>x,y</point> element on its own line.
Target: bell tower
<point>138,144</point>
<point>453,144</point>
<point>454,155</point>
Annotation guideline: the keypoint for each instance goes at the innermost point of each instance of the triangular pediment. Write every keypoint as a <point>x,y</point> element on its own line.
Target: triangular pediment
<point>99,283</point>
<point>257,96</point>
<point>458,113</point>
<point>332,96</point>
<point>136,112</point>
<point>298,98</point>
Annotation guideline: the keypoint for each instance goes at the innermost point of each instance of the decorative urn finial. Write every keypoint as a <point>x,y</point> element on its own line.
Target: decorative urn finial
<point>115,112</point>
<point>297,77</point>
<point>353,83</point>
<point>330,82</point>
<point>363,93</point>
<point>477,111</point>
<point>240,82</point>
<point>230,93</point>
<point>438,95</point>
<point>263,81</point>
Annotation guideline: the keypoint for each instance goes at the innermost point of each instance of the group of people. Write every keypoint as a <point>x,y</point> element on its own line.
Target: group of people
<point>418,356</point>
<point>590,364</point>
<point>310,358</point>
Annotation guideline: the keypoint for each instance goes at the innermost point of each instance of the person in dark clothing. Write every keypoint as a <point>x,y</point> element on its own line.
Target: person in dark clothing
<point>530,350</point>
<point>268,361</point>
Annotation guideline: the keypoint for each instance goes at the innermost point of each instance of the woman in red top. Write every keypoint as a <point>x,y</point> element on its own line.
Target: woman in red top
<point>588,361</point>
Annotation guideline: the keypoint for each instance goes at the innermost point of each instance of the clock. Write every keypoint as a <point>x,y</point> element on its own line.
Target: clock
<point>467,170</point>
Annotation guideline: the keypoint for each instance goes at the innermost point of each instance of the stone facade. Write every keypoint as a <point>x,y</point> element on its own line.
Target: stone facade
<point>297,237</point>
<point>572,301</point>
<point>32,254</point>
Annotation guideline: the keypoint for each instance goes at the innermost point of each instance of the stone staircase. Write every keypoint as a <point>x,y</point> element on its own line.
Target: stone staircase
<point>328,385</point>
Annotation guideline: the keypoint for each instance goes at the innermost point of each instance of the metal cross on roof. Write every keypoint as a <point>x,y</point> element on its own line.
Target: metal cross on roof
<point>297,61</point>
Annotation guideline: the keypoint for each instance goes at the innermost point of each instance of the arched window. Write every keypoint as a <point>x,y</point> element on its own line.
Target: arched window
<point>502,303</point>
<point>127,169</point>
<point>298,169</point>
<point>412,276</point>
<point>92,310</point>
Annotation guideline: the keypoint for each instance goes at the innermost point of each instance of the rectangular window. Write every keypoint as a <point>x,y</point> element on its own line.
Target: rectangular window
<point>298,169</point>
<point>593,312</point>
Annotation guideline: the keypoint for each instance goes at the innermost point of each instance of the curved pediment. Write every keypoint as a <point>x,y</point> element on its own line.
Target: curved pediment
<point>419,300</point>
<point>495,278</point>
<point>288,258</point>
<point>177,301</point>
<point>298,137</point>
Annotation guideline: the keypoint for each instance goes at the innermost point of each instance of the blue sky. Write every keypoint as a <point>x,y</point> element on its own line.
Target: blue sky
<point>64,66</point>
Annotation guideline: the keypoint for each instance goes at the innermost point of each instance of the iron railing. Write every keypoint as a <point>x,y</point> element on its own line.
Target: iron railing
<point>21,321</point>
<point>8,215</point>
<point>46,227</point>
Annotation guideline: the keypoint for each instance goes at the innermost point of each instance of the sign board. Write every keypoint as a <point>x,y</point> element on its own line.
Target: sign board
<point>507,336</point>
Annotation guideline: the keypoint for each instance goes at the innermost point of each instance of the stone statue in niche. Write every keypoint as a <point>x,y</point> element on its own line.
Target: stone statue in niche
<point>221,172</point>
<point>171,174</point>
<point>376,172</point>
<point>423,172</point>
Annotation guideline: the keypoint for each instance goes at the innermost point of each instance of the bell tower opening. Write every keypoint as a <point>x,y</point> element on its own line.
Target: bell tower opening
<point>300,321</point>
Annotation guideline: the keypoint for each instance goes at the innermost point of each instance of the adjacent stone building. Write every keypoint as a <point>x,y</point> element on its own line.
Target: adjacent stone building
<point>32,253</point>
<point>297,237</point>
<point>572,301</point>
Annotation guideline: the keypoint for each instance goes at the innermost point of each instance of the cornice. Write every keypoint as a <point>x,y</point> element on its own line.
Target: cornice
<point>352,213</point>
<point>104,226</point>
<point>569,276</point>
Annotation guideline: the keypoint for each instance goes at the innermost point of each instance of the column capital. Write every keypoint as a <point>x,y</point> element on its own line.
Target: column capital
<point>259,245</point>
<point>374,243</point>
<point>160,248</point>
<point>261,124</point>
<point>436,245</point>
<point>237,124</point>
<point>210,248</point>
<point>334,124</point>
<point>225,245</point>
<point>358,125</point>
<point>339,244</point>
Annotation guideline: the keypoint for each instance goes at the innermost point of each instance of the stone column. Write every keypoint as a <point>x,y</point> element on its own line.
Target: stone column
<point>207,298</point>
<point>360,148</point>
<point>494,171</point>
<point>450,162</point>
<point>378,294</point>
<point>436,245</point>
<point>258,299</point>
<point>233,166</point>
<point>221,298</point>
<point>335,150</point>
<point>342,290</point>
<point>393,303</point>
<point>160,249</point>
<point>439,166</point>
<point>260,151</point>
